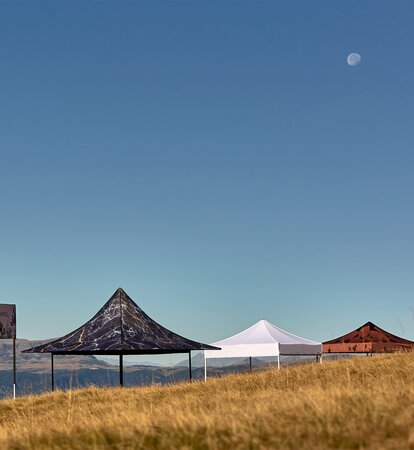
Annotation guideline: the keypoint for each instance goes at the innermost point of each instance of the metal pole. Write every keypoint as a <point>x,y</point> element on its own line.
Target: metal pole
<point>205,367</point>
<point>189,366</point>
<point>53,373</point>
<point>250,363</point>
<point>121,370</point>
<point>278,355</point>
<point>14,368</point>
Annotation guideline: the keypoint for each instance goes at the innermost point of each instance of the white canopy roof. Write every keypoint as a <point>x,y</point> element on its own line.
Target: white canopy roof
<point>263,339</point>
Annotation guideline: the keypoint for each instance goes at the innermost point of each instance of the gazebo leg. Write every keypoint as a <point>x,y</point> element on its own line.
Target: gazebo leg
<point>205,368</point>
<point>190,372</point>
<point>250,363</point>
<point>278,361</point>
<point>53,372</point>
<point>121,370</point>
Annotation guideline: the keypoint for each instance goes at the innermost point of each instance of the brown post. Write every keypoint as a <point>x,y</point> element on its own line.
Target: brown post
<point>189,366</point>
<point>250,363</point>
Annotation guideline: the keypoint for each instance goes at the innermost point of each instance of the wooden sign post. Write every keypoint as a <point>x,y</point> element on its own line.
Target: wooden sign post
<point>8,331</point>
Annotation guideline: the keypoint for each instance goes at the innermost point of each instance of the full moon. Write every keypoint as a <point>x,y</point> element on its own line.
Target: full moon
<point>353,59</point>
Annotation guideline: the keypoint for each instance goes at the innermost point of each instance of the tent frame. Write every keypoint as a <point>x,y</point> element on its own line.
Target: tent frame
<point>318,360</point>
<point>121,360</point>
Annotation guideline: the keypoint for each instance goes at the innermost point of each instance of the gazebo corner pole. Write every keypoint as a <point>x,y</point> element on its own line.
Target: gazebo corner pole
<point>53,372</point>
<point>121,369</point>
<point>189,366</point>
<point>205,367</point>
<point>250,363</point>
<point>278,355</point>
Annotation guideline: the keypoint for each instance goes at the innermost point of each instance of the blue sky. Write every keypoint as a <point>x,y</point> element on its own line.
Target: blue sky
<point>218,160</point>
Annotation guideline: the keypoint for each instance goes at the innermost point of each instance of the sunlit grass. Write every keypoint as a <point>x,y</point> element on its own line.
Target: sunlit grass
<point>362,403</point>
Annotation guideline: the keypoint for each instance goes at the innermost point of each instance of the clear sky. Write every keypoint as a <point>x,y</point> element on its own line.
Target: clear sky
<point>220,161</point>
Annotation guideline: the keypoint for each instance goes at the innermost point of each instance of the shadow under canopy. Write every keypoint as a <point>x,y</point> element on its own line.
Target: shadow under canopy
<point>121,328</point>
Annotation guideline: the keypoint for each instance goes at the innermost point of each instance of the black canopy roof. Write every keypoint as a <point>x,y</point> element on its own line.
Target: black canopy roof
<point>120,327</point>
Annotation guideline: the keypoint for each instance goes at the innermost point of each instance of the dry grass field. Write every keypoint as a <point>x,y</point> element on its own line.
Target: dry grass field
<point>361,403</point>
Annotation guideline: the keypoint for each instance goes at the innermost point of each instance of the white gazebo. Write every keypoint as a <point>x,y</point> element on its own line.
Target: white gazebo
<point>262,339</point>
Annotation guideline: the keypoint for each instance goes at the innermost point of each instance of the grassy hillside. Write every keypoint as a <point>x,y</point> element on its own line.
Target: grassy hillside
<point>363,403</point>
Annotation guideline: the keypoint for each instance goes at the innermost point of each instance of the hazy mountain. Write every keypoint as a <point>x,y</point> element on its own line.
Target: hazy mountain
<point>198,361</point>
<point>114,361</point>
<point>40,363</point>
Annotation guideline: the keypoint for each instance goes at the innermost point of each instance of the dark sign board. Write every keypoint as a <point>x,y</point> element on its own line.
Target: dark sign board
<point>7,321</point>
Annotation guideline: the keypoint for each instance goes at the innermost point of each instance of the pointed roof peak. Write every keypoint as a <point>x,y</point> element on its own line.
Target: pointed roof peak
<point>121,296</point>
<point>266,324</point>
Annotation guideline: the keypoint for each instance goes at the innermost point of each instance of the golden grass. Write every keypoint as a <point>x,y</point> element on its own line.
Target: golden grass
<point>361,403</point>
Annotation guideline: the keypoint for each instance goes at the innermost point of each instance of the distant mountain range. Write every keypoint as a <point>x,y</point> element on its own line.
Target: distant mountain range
<point>40,363</point>
<point>33,370</point>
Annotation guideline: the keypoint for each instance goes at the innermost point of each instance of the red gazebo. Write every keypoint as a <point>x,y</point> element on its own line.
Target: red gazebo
<point>369,338</point>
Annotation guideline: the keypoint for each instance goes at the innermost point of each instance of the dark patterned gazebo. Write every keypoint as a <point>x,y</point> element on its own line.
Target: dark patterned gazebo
<point>121,328</point>
<point>368,338</point>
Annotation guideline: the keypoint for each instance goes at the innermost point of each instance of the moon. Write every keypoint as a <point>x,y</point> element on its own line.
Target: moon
<point>353,59</point>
